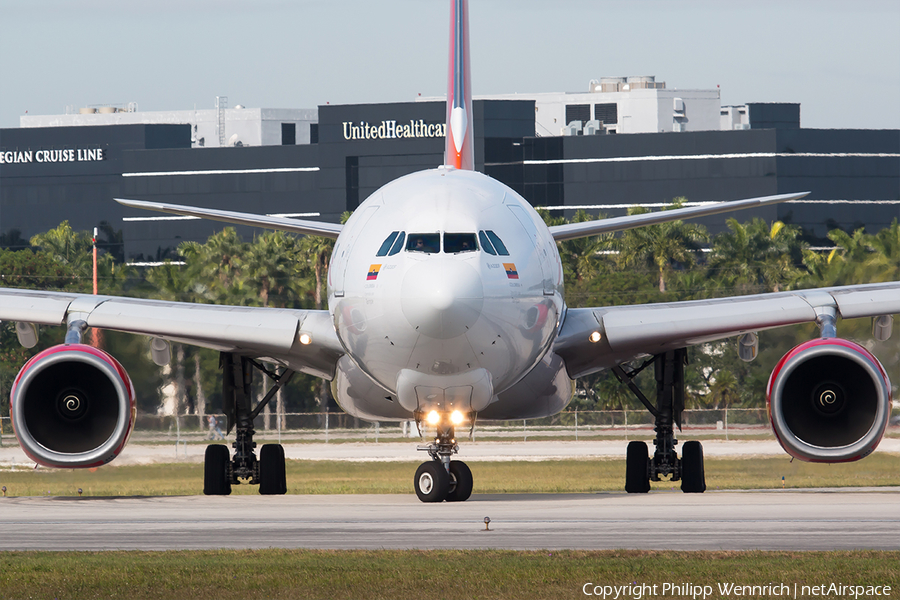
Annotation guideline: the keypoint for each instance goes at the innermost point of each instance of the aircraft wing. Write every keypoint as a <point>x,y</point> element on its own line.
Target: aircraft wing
<point>251,331</point>
<point>588,228</point>
<point>330,230</point>
<point>627,332</point>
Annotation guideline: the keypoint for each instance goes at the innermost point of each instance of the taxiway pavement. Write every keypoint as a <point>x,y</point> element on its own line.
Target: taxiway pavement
<point>537,450</point>
<point>765,520</point>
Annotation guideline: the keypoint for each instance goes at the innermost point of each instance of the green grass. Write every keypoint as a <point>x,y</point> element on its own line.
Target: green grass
<point>335,477</point>
<point>400,575</point>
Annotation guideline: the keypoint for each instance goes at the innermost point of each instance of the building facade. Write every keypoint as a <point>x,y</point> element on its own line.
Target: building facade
<point>210,128</point>
<point>51,174</point>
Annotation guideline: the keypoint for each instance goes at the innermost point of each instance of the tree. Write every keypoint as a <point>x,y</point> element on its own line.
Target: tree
<point>272,269</point>
<point>73,248</point>
<point>754,257</point>
<point>36,270</point>
<point>215,269</point>
<point>846,264</point>
<point>317,252</point>
<point>661,246</point>
<point>884,263</point>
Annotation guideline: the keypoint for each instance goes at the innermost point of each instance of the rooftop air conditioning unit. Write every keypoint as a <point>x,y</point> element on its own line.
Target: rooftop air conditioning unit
<point>573,128</point>
<point>593,128</point>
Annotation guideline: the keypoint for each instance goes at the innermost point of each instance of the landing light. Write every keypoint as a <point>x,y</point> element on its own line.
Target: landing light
<point>305,339</point>
<point>433,418</point>
<point>456,417</point>
<point>595,337</point>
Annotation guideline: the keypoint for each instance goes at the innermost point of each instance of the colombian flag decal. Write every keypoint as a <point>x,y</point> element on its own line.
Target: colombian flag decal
<point>511,272</point>
<point>373,272</point>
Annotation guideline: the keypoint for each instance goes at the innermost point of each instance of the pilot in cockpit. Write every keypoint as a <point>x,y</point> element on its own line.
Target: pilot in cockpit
<point>429,243</point>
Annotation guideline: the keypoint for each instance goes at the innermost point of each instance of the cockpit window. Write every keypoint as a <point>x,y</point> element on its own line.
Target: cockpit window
<point>430,243</point>
<point>459,242</point>
<point>398,245</point>
<point>486,243</point>
<point>501,249</point>
<point>386,245</point>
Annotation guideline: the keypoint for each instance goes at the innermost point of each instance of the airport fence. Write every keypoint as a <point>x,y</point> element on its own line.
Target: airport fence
<point>339,426</point>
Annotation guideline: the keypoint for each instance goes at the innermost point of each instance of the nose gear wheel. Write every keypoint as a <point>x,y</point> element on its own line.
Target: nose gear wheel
<point>440,478</point>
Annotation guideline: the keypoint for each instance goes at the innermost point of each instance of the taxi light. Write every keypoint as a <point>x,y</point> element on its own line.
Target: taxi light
<point>305,339</point>
<point>433,418</point>
<point>456,417</point>
<point>595,337</point>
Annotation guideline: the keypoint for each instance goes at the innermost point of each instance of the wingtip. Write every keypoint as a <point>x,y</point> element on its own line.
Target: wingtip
<point>127,202</point>
<point>797,195</point>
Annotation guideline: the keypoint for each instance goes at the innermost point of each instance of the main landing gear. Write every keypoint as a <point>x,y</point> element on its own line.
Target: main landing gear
<point>220,470</point>
<point>640,469</point>
<point>440,478</point>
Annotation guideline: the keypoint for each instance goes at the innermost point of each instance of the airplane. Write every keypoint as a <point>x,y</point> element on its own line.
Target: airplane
<point>445,305</point>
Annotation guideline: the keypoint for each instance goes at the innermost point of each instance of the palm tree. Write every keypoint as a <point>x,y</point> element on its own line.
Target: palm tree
<point>271,266</point>
<point>756,256</point>
<point>884,264</point>
<point>580,256</point>
<point>69,247</point>
<point>661,246</point>
<point>723,390</point>
<point>215,269</point>
<point>847,263</point>
<point>317,251</point>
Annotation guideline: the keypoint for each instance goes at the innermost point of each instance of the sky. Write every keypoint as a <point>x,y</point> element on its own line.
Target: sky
<point>840,60</point>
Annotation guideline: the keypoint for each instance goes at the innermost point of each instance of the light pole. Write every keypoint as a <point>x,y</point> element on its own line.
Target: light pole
<point>94,242</point>
<point>95,335</point>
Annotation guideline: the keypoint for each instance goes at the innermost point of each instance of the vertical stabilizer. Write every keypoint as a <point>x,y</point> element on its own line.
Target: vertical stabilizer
<point>459,151</point>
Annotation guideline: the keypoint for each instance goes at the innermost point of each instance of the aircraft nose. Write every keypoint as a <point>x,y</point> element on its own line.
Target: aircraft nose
<point>442,297</point>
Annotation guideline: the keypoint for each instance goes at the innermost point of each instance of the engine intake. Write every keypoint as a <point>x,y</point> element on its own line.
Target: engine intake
<point>72,406</point>
<point>829,401</point>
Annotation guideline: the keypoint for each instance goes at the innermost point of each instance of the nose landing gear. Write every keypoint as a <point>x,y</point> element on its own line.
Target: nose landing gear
<point>441,478</point>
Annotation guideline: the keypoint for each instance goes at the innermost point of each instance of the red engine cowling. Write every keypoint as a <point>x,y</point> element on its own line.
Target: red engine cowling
<point>72,406</point>
<point>829,400</point>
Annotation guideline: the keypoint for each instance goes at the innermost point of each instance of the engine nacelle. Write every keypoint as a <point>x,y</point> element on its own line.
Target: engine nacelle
<point>829,400</point>
<point>72,406</point>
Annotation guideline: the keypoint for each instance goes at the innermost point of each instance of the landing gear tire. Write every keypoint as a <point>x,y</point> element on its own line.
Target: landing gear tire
<point>216,480</point>
<point>272,479</point>
<point>461,482</point>
<point>637,477</point>
<point>693,478</point>
<point>432,482</point>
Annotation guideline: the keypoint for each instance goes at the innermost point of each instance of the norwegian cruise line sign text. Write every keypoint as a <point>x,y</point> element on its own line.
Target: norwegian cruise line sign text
<point>10,157</point>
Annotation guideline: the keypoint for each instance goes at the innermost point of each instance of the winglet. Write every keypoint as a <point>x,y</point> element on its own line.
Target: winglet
<point>459,149</point>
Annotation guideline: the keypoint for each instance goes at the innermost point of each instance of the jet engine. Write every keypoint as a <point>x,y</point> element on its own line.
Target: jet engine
<point>72,406</point>
<point>829,401</point>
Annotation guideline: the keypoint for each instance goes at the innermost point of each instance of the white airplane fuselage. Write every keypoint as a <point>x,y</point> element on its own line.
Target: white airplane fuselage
<point>455,323</point>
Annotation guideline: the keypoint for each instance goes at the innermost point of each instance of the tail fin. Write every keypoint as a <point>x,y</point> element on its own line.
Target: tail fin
<point>459,151</point>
